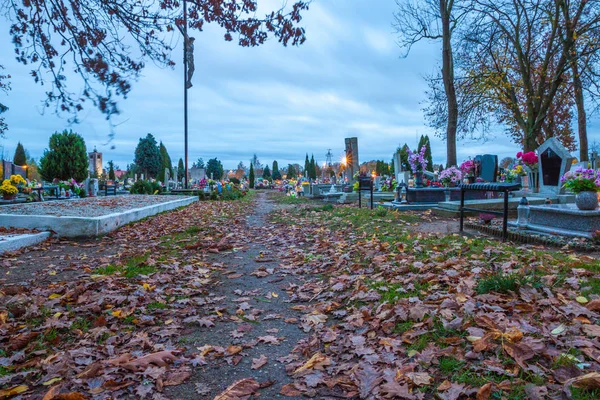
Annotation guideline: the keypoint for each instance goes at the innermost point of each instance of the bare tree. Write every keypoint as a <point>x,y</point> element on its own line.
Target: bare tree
<point>418,20</point>
<point>581,19</point>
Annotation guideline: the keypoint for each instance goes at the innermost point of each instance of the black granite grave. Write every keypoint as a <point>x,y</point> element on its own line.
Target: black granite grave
<point>489,167</point>
<point>551,163</point>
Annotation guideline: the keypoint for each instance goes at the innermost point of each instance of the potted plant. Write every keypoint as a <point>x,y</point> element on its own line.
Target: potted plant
<point>418,163</point>
<point>8,190</point>
<point>585,183</point>
<point>531,160</point>
<point>450,177</point>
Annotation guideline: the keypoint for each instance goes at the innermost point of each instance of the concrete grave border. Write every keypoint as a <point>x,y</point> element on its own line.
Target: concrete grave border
<point>69,226</point>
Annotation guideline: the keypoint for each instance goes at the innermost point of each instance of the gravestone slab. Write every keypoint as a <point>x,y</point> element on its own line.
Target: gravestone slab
<point>398,167</point>
<point>555,161</point>
<point>595,160</point>
<point>489,167</point>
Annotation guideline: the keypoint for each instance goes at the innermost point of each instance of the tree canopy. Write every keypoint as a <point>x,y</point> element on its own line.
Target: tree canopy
<point>20,158</point>
<point>214,168</point>
<point>147,156</point>
<point>165,163</point>
<point>276,174</point>
<point>65,158</point>
<point>107,43</point>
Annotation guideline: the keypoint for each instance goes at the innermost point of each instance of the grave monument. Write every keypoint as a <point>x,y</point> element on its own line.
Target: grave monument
<point>555,161</point>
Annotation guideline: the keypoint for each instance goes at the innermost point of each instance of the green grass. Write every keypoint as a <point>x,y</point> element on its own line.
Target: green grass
<point>420,343</point>
<point>583,394</point>
<point>82,324</point>
<point>592,286</point>
<point>108,270</point>
<point>392,292</point>
<point>449,365</point>
<point>402,327</point>
<point>4,371</point>
<point>498,282</point>
<point>291,200</point>
<point>134,266</point>
<point>156,305</point>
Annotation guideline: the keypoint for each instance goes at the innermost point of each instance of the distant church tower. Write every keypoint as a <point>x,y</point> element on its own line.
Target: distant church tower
<point>95,163</point>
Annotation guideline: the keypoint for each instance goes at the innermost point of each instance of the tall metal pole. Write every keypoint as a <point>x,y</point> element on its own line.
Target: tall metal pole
<point>185,92</point>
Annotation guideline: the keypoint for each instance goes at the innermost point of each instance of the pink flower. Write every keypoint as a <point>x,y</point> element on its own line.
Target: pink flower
<point>519,154</point>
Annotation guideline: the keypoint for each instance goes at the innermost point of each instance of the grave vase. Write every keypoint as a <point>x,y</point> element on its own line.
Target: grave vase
<point>419,179</point>
<point>586,200</point>
<point>534,181</point>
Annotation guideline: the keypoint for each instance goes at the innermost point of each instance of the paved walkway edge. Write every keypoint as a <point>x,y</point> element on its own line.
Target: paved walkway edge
<point>12,243</point>
<point>89,227</point>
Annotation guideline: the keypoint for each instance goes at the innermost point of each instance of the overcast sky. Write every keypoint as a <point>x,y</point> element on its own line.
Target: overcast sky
<point>346,80</point>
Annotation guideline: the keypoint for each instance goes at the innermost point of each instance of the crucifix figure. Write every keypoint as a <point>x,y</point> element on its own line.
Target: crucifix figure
<point>188,43</point>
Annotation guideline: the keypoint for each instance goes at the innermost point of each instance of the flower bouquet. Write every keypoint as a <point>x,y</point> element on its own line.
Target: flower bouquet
<point>451,176</point>
<point>585,183</point>
<point>8,190</point>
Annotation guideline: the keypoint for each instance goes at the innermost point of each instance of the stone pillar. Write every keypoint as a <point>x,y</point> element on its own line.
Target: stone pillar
<point>352,164</point>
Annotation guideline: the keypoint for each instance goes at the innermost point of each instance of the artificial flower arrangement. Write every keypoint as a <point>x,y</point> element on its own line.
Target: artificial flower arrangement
<point>529,159</point>
<point>72,186</point>
<point>450,176</point>
<point>417,161</point>
<point>468,167</point>
<point>8,189</point>
<point>305,183</point>
<point>17,180</point>
<point>581,180</point>
<point>519,170</point>
<point>509,175</point>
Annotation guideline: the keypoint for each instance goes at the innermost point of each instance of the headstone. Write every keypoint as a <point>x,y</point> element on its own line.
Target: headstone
<point>488,169</point>
<point>377,183</point>
<point>197,174</point>
<point>352,165</point>
<point>93,188</point>
<point>595,160</point>
<point>167,175</point>
<point>555,161</point>
<point>135,178</point>
<point>398,166</point>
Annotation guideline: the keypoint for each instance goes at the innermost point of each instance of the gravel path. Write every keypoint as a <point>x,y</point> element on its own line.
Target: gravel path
<point>267,299</point>
<point>88,207</point>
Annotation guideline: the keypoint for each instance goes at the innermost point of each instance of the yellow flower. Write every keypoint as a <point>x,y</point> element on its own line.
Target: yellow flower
<point>8,188</point>
<point>17,179</point>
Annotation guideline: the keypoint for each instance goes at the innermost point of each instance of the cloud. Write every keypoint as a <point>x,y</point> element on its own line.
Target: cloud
<point>279,102</point>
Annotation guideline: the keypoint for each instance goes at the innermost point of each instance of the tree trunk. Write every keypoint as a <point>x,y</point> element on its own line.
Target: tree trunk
<point>581,116</point>
<point>448,78</point>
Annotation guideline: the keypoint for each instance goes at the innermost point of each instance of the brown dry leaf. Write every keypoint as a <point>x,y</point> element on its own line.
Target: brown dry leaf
<point>239,390</point>
<point>5,393</point>
<point>591,330</point>
<point>444,386</point>
<point>22,340</point>
<point>160,359</point>
<point>588,381</point>
<point>290,390</point>
<point>177,377</point>
<point>259,362</point>
<point>232,349</point>
<point>484,392</point>
<point>317,361</point>
<point>593,305</point>
<point>70,396</point>
<point>519,352</point>
<point>368,379</point>
<point>419,378</point>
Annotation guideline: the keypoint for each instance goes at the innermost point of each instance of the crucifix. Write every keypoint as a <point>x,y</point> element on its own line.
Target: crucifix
<point>188,71</point>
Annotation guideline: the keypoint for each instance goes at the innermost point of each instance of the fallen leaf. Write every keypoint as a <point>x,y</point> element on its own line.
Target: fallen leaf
<point>259,362</point>
<point>239,390</point>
